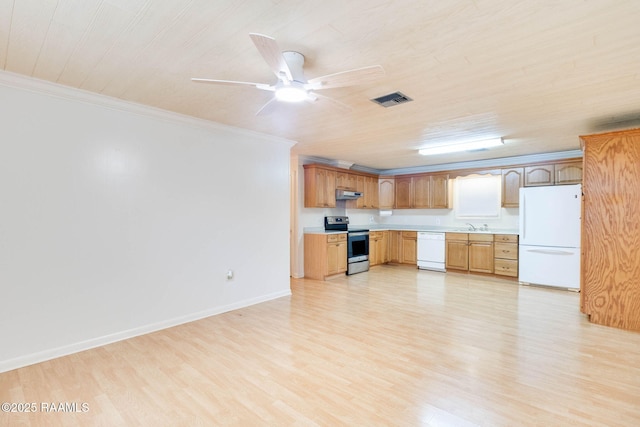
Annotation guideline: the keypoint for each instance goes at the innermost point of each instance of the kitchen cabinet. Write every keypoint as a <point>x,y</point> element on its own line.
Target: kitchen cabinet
<point>378,247</point>
<point>324,255</point>
<point>457,251</point>
<point>404,192</point>
<point>368,186</point>
<point>506,255</point>
<point>346,181</point>
<point>319,187</point>
<point>393,245</point>
<point>386,191</point>
<point>481,254</point>
<point>439,191</point>
<point>539,175</point>
<point>512,180</point>
<point>423,191</point>
<point>409,248</point>
<point>568,173</point>
<point>610,265</point>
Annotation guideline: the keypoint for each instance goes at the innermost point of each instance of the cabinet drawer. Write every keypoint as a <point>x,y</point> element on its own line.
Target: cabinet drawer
<point>506,267</point>
<point>506,250</point>
<point>478,237</point>
<point>374,235</point>
<point>409,235</point>
<point>333,238</point>
<point>506,238</point>
<point>457,236</point>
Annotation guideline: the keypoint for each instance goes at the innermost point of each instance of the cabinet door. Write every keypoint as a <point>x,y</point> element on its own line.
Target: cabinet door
<point>512,180</point>
<point>386,189</point>
<point>421,192</point>
<point>346,181</point>
<point>538,175</point>
<point>481,257</point>
<point>383,256</point>
<point>342,257</point>
<point>319,188</point>
<point>336,258</point>
<point>361,187</point>
<point>409,248</point>
<point>394,246</point>
<point>404,192</point>
<point>568,173</point>
<point>440,191</point>
<point>457,251</point>
<point>371,192</point>
<point>374,239</point>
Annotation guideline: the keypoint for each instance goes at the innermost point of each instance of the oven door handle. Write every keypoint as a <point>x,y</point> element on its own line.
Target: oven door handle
<point>361,233</point>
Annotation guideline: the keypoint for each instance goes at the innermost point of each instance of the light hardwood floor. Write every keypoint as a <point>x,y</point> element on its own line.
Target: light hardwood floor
<point>393,346</point>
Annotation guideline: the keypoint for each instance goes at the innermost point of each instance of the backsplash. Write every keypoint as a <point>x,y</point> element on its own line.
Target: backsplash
<point>440,217</point>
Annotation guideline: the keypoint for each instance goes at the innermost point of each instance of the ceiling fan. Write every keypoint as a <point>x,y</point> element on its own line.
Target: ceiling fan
<point>292,86</point>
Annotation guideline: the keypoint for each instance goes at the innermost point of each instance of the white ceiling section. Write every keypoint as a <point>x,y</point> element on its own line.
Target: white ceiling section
<point>537,73</point>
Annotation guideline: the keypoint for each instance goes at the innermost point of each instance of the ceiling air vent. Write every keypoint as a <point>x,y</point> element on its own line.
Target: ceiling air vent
<point>392,99</point>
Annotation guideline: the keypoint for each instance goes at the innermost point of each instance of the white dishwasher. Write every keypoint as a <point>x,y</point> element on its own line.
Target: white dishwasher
<point>431,248</point>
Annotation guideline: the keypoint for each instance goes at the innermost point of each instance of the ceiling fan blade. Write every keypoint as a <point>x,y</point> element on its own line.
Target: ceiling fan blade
<point>267,108</point>
<point>347,78</point>
<point>262,86</point>
<point>316,96</point>
<point>272,54</point>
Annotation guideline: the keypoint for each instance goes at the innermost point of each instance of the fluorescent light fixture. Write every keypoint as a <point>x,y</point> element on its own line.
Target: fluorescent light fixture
<point>463,146</point>
<point>291,94</point>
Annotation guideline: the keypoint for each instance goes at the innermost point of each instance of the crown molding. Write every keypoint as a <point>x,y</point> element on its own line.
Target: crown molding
<point>31,84</point>
<point>475,164</point>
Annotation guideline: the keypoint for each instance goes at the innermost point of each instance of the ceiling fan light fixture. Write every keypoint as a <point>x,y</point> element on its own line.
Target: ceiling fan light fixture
<point>464,146</point>
<point>291,94</point>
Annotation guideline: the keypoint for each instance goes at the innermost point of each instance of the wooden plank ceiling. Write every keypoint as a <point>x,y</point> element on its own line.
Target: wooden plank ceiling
<point>538,73</point>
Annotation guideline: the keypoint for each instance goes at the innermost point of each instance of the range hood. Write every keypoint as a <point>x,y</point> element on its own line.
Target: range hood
<point>347,195</point>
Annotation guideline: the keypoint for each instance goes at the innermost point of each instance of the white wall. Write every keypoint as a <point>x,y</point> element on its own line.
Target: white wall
<point>116,220</point>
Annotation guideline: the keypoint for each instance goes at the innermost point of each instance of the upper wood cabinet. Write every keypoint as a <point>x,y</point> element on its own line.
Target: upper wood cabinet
<point>440,191</point>
<point>568,173</point>
<point>319,187</point>
<point>404,192</point>
<point>512,180</point>
<point>539,175</point>
<point>423,191</point>
<point>610,274</point>
<point>346,181</point>
<point>386,190</point>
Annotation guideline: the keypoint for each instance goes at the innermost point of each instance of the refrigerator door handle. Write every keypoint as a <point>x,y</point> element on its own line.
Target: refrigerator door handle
<point>550,251</point>
<point>523,212</point>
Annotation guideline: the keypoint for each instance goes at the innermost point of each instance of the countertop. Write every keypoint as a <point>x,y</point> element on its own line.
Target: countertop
<point>436,228</point>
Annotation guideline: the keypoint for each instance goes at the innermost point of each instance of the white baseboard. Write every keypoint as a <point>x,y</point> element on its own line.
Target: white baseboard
<point>42,356</point>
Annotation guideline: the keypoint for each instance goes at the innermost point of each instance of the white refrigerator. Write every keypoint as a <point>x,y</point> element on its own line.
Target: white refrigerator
<point>549,243</point>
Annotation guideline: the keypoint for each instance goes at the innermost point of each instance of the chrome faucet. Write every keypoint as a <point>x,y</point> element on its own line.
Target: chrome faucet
<point>471,227</point>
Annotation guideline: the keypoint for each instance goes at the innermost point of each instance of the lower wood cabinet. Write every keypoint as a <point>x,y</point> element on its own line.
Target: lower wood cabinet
<point>481,253</point>
<point>324,255</point>
<point>457,251</point>
<point>378,253</point>
<point>403,247</point>
<point>409,250</point>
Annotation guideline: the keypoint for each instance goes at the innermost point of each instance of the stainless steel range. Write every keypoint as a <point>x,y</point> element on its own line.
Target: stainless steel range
<point>357,243</point>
